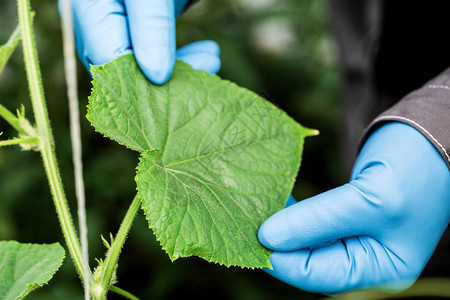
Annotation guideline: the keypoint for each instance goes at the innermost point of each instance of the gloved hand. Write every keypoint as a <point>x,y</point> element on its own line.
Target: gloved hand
<point>378,230</point>
<point>107,29</point>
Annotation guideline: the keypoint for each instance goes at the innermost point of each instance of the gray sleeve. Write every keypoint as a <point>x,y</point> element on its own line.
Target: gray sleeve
<point>426,109</point>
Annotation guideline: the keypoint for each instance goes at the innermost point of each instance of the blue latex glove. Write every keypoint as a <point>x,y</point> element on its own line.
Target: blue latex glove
<point>378,231</point>
<point>107,29</point>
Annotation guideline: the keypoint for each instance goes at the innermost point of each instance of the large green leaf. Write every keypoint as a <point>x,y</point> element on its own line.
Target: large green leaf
<point>217,159</point>
<point>25,267</point>
<point>6,50</point>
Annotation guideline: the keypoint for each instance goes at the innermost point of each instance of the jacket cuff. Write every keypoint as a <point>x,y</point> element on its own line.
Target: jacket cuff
<point>426,109</point>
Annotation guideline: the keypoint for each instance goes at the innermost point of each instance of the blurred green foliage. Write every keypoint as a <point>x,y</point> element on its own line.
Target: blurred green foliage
<point>282,50</point>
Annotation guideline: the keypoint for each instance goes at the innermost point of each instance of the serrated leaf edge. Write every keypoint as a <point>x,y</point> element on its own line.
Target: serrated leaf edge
<point>303,132</point>
<point>174,258</point>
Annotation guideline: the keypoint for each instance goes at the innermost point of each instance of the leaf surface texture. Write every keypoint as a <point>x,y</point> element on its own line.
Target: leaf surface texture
<point>25,267</point>
<point>216,159</point>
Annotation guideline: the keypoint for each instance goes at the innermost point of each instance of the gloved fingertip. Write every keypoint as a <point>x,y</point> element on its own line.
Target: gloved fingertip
<point>269,233</point>
<point>158,72</point>
<point>214,68</point>
<point>158,77</point>
<point>276,233</point>
<point>279,261</point>
<point>266,235</point>
<point>279,232</point>
<point>206,46</point>
<point>212,65</point>
<point>156,63</point>
<point>201,61</point>
<point>211,47</point>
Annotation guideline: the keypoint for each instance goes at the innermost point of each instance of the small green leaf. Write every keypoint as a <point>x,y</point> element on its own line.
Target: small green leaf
<point>7,49</point>
<point>25,267</point>
<point>217,159</point>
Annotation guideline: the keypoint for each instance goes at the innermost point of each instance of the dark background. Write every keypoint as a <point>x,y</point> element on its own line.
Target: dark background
<point>282,50</point>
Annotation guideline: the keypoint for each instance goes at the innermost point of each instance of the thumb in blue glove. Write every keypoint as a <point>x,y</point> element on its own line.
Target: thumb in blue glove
<point>105,30</point>
<point>378,231</point>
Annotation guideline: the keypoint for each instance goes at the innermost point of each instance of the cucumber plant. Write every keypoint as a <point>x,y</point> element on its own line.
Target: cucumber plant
<point>216,160</point>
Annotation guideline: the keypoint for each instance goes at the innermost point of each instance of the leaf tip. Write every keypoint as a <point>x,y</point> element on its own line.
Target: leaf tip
<point>311,132</point>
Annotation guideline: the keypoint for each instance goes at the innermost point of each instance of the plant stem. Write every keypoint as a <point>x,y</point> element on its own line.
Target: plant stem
<point>11,119</point>
<point>31,141</point>
<point>123,293</point>
<point>45,135</point>
<point>116,247</point>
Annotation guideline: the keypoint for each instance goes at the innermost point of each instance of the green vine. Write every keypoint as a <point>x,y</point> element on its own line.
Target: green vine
<point>40,138</point>
<point>45,144</point>
<point>44,133</point>
<point>23,141</point>
<point>104,281</point>
<point>123,293</point>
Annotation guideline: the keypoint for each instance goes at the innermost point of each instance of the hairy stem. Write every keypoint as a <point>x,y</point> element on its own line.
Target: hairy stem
<point>70,67</point>
<point>116,247</point>
<point>123,293</point>
<point>45,135</point>
<point>30,141</point>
